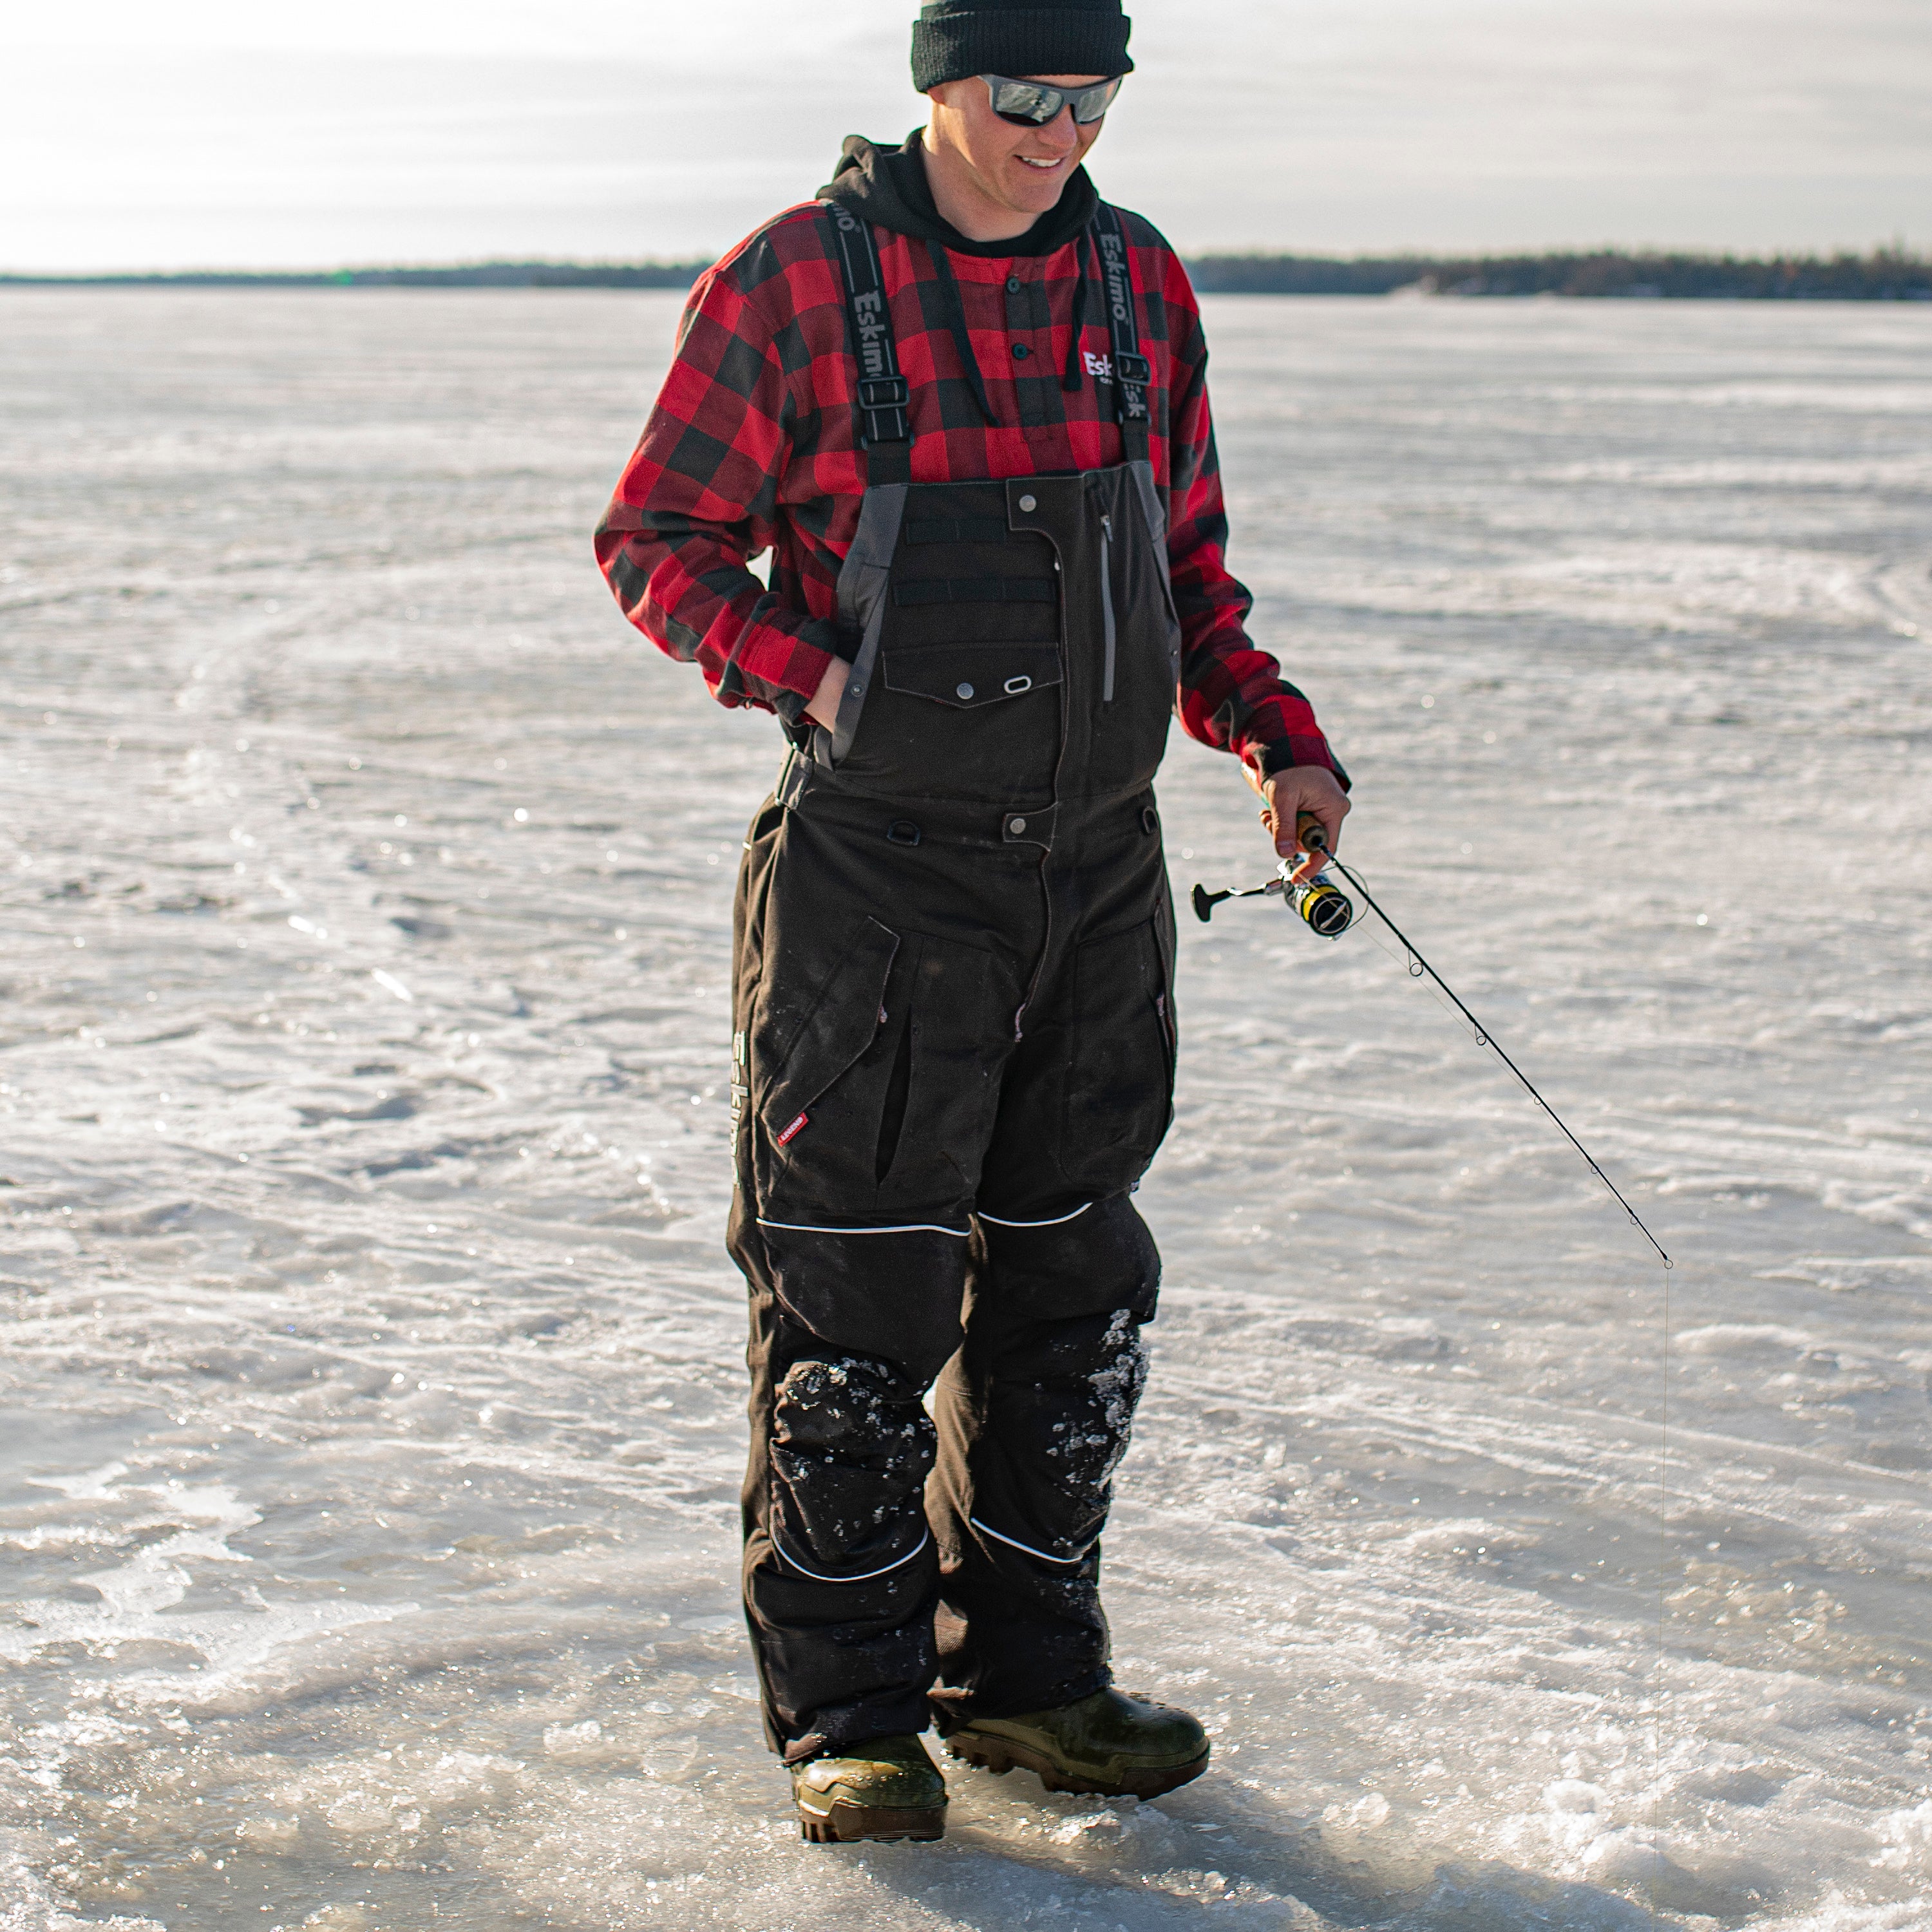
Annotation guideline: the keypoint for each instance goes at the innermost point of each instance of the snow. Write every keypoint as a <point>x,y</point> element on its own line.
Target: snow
<point>372,1391</point>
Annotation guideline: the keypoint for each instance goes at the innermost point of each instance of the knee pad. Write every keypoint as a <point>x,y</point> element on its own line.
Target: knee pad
<point>851,1447</point>
<point>852,1410</point>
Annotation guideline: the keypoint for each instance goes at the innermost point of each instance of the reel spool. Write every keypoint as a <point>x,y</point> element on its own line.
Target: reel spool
<point>1326,908</point>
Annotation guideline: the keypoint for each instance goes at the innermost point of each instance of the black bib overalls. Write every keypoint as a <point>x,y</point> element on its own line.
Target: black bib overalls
<point>954,1058</point>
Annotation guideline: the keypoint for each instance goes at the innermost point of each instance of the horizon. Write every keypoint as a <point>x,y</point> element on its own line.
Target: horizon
<point>225,141</point>
<point>1896,248</point>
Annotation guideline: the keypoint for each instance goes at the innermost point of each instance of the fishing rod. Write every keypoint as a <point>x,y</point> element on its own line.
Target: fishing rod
<point>1327,910</point>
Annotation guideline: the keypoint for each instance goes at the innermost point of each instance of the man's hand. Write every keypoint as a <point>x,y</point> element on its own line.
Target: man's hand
<point>1309,788</point>
<point>824,705</point>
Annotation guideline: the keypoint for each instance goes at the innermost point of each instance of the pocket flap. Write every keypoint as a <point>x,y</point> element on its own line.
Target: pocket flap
<point>839,1027</point>
<point>966,675</point>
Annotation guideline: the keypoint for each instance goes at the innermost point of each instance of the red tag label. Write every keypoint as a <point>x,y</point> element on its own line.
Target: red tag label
<point>792,1130</point>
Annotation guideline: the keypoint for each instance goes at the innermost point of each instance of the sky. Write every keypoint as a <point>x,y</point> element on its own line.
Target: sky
<point>213,133</point>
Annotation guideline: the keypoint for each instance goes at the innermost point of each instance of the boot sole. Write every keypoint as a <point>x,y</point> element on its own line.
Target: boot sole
<point>854,1824</point>
<point>1000,1755</point>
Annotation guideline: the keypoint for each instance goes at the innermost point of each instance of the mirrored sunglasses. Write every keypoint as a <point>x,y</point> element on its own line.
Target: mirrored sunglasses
<point>1031,103</point>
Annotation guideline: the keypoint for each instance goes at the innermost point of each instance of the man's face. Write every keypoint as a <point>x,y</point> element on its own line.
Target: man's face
<point>1022,168</point>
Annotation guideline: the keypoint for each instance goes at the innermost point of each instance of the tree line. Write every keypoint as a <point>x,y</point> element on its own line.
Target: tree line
<point>1885,275</point>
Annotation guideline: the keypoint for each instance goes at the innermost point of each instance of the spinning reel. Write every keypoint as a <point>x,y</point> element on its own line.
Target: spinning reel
<point>1326,908</point>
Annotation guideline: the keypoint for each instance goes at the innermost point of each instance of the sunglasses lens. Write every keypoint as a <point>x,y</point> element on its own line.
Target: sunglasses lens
<point>1092,103</point>
<point>1024,102</point>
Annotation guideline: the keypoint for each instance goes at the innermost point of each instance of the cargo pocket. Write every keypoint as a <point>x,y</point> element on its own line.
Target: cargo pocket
<point>936,1117</point>
<point>879,1112</point>
<point>1120,1084</point>
<point>813,1093</point>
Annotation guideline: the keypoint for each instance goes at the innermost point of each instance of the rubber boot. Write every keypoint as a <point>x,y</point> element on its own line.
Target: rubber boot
<point>882,1788</point>
<point>1111,1744</point>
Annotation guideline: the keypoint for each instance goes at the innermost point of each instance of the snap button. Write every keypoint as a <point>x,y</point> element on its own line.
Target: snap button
<point>1016,826</point>
<point>1029,504</point>
<point>1021,352</point>
<point>962,690</point>
<point>902,832</point>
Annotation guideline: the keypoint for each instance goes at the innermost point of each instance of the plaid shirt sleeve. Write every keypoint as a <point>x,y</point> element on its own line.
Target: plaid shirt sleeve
<point>699,499</point>
<point>1233,695</point>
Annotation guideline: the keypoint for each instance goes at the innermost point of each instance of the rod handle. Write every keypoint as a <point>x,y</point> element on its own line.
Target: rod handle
<point>1308,829</point>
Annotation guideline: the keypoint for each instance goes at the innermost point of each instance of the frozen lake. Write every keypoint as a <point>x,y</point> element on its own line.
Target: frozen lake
<point>370,1405</point>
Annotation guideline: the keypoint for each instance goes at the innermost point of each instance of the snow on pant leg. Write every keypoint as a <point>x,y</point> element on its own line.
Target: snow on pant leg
<point>1034,1414</point>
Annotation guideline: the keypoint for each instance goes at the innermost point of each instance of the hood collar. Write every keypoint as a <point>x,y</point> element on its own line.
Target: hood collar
<point>886,185</point>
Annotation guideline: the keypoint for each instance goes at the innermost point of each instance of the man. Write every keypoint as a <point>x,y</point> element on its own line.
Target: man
<point>963,402</point>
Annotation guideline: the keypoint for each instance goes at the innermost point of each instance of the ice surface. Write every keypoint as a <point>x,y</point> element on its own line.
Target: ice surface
<point>372,1407</point>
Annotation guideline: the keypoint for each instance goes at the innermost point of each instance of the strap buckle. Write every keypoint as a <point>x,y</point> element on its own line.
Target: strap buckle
<point>1133,368</point>
<point>884,392</point>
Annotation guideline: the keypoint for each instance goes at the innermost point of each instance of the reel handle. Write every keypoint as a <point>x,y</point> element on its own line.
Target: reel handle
<point>1314,838</point>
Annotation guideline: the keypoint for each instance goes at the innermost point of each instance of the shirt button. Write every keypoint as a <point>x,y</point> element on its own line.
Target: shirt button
<point>1021,352</point>
<point>1028,505</point>
<point>1016,826</point>
<point>963,690</point>
<point>1013,285</point>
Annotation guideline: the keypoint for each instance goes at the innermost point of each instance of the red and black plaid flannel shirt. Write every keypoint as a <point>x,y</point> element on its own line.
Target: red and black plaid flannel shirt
<point>753,444</point>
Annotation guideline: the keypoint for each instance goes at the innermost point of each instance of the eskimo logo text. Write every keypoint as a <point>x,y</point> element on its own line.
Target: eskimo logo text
<point>868,304</point>
<point>869,311</point>
<point>1119,290</point>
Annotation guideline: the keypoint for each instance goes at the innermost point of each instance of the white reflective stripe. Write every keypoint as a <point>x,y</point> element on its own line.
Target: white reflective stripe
<point>906,1228</point>
<point>785,1557</point>
<point>997,1222</point>
<point>1013,1542</point>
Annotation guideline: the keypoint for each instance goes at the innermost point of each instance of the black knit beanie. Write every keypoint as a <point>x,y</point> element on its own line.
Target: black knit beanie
<point>953,40</point>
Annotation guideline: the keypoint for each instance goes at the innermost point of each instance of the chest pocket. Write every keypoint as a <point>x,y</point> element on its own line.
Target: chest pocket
<point>973,617</point>
<point>969,674</point>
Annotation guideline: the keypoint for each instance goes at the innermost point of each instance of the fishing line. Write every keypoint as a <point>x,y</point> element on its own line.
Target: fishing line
<point>1388,948</point>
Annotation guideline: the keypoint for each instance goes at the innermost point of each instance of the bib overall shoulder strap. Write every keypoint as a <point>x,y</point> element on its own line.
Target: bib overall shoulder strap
<point>884,401</point>
<point>1133,372</point>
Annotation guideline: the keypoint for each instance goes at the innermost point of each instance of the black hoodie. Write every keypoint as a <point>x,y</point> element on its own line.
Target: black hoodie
<point>887,186</point>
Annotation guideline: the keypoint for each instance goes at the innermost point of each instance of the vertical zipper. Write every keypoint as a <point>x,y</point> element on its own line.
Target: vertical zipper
<point>1107,608</point>
<point>1045,947</point>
